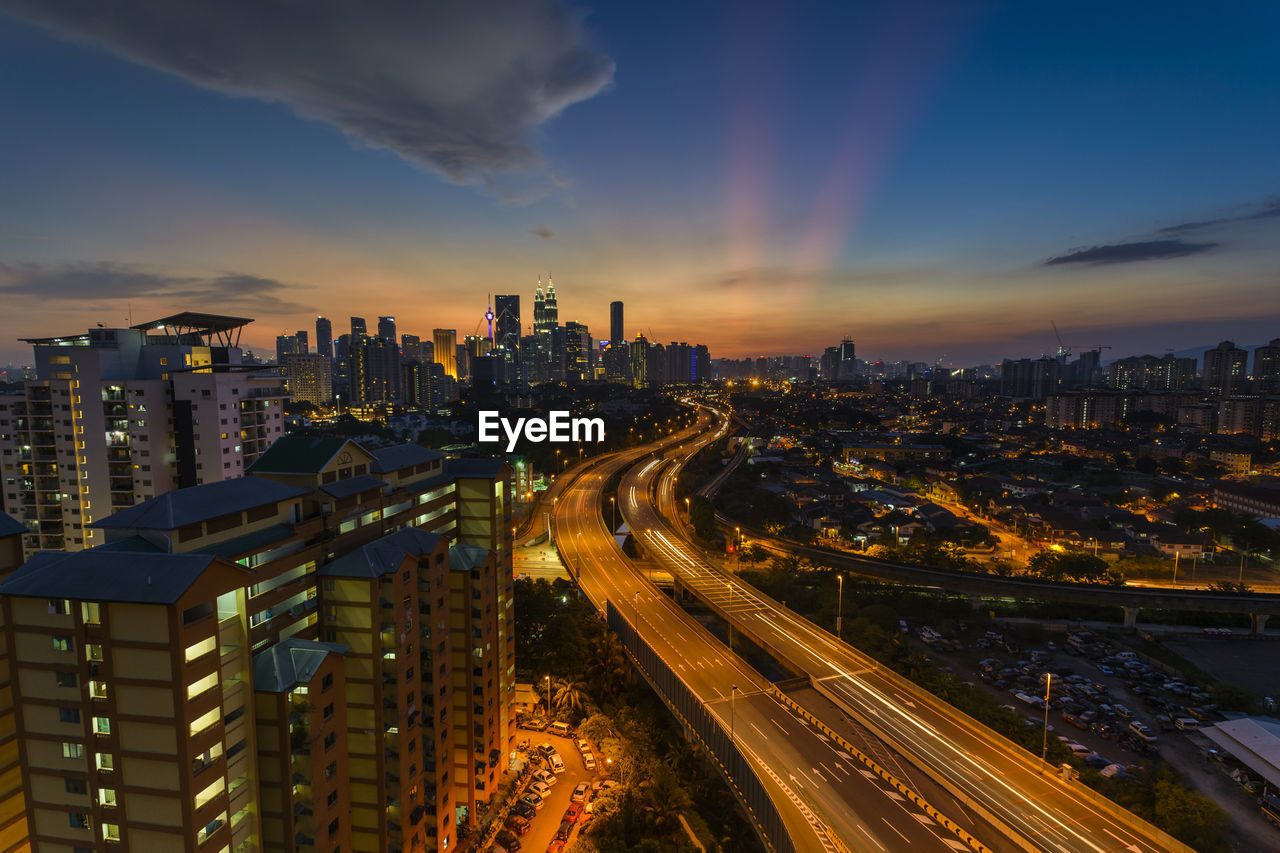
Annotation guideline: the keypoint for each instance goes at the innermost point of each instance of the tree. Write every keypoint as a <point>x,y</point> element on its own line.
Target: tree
<point>1076,566</point>
<point>1188,815</point>
<point>570,696</point>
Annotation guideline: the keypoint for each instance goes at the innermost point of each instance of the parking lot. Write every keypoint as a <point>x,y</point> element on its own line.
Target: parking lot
<point>549,815</point>
<point>1113,709</point>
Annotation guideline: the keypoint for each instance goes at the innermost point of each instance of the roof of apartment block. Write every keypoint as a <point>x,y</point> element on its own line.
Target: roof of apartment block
<point>10,526</point>
<point>290,662</point>
<point>181,507</point>
<point>298,454</point>
<point>488,469</point>
<point>383,556</point>
<point>353,486</point>
<point>387,459</point>
<point>108,575</point>
<point>464,557</point>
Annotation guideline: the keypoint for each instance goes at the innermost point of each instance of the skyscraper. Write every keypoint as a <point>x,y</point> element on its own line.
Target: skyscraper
<point>577,350</point>
<point>1225,370</point>
<point>374,374</point>
<point>358,327</point>
<point>286,345</point>
<point>324,337</point>
<point>310,378</point>
<point>616,333</point>
<point>507,335</point>
<point>446,349</point>
<point>387,328</point>
<point>410,348</point>
<point>539,310</point>
<point>551,312</point>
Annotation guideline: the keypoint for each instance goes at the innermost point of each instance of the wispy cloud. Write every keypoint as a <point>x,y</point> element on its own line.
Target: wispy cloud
<point>1266,210</point>
<point>542,232</point>
<point>86,281</point>
<point>458,87</point>
<point>1123,253</point>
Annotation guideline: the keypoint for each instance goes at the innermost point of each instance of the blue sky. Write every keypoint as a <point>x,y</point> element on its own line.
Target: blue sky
<point>759,178</point>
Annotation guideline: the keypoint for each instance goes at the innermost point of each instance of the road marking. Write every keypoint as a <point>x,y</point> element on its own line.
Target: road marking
<point>925,819</point>
<point>874,840</point>
<point>895,829</point>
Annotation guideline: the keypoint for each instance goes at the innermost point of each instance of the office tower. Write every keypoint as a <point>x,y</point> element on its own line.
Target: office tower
<point>13,797</point>
<point>304,345</point>
<point>848,368</point>
<point>507,335</point>
<point>616,333</point>
<point>462,361</point>
<point>309,378</point>
<point>577,350</point>
<point>558,353</point>
<point>1266,368</point>
<point>410,348</point>
<point>286,345</point>
<point>477,346</point>
<point>1225,370</point>
<point>551,313</point>
<point>640,362</point>
<point>118,416</point>
<point>316,656</point>
<point>358,328</point>
<point>446,347</point>
<point>374,375</point>
<point>324,337</point>
<point>539,310</point>
<point>387,328</point>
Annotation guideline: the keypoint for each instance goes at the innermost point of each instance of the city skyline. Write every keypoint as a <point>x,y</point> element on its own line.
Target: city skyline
<point>938,185</point>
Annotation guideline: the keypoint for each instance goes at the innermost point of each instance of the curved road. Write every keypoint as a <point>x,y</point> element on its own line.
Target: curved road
<point>1006,784</point>
<point>827,803</point>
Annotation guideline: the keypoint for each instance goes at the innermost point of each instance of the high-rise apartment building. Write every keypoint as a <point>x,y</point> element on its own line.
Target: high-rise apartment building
<point>324,337</point>
<point>446,346</point>
<point>14,835</point>
<point>309,378</point>
<point>304,345</point>
<point>387,328</point>
<point>410,348</point>
<point>1266,368</point>
<point>118,416</point>
<point>617,334</point>
<point>1031,378</point>
<point>358,328</point>
<point>318,656</point>
<point>1226,369</point>
<point>1148,373</point>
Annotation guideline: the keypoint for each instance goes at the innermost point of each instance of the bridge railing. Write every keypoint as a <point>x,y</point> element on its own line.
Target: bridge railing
<point>708,731</point>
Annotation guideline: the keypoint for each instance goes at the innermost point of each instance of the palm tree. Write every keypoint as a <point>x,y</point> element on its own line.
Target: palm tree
<point>609,668</point>
<point>569,696</point>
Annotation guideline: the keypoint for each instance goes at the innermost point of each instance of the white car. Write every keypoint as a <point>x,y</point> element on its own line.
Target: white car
<point>588,761</point>
<point>542,789</point>
<point>557,764</point>
<point>546,777</point>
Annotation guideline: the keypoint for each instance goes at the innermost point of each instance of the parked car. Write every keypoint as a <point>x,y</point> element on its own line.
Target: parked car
<point>582,745</point>
<point>572,813</point>
<point>546,749</point>
<point>1187,724</point>
<point>557,763</point>
<point>517,824</point>
<point>559,728</point>
<point>588,761</point>
<point>532,799</point>
<point>524,809</point>
<point>546,777</point>
<point>1142,732</point>
<point>508,841</point>
<point>579,794</point>
<point>542,789</point>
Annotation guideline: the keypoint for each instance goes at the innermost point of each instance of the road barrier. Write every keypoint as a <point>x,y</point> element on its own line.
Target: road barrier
<point>707,730</point>
<point>875,767</point>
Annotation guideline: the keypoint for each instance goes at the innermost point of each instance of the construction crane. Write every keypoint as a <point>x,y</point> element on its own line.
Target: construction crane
<point>1064,350</point>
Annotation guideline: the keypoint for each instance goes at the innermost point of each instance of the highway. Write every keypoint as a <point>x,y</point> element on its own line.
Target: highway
<point>825,797</point>
<point>992,775</point>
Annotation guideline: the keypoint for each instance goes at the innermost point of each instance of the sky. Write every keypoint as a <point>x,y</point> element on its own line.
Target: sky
<point>940,181</point>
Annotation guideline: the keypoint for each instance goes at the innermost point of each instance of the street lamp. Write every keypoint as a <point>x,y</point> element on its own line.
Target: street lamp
<point>548,694</point>
<point>839,604</point>
<point>614,504</point>
<point>1044,746</point>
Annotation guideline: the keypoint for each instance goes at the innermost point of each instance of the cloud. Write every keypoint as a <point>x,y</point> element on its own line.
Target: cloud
<point>542,232</point>
<point>94,281</point>
<point>1122,253</point>
<point>458,87</point>
<point>1266,210</point>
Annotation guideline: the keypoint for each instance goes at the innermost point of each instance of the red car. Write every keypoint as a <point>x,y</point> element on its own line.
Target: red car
<point>572,813</point>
